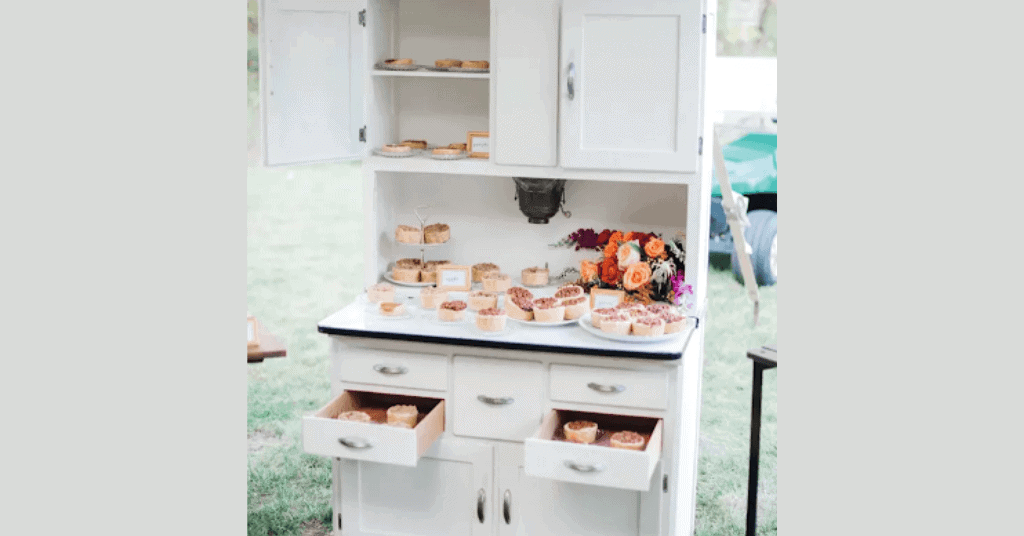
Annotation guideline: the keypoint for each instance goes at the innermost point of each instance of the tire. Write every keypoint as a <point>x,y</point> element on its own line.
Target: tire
<point>762,235</point>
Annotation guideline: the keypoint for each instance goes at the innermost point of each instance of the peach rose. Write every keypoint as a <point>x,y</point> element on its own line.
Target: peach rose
<point>628,254</point>
<point>588,270</point>
<point>655,248</point>
<point>637,275</point>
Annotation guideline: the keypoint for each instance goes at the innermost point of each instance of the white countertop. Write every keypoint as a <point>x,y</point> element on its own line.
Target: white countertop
<point>360,319</point>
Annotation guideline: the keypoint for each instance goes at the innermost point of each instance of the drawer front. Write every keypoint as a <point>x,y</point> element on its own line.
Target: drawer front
<point>497,399</point>
<point>325,435</point>
<point>609,387</point>
<point>394,368</point>
<point>545,457</point>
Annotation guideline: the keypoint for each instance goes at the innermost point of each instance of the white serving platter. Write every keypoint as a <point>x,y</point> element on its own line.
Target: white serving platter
<point>534,323</point>
<point>639,339</point>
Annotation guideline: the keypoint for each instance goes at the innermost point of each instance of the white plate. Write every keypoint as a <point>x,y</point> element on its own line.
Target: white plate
<point>543,324</point>
<point>412,152</point>
<point>406,283</point>
<point>434,245</point>
<point>396,67</point>
<point>586,325</point>
<point>459,156</point>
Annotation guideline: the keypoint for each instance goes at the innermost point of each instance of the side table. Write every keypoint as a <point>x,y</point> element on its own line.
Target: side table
<point>269,346</point>
<point>765,357</point>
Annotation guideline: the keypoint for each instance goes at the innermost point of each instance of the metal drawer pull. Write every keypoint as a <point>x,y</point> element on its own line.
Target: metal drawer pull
<point>584,468</point>
<point>570,80</point>
<point>354,443</point>
<point>507,507</point>
<point>391,371</point>
<point>606,388</point>
<point>495,401</point>
<point>480,499</point>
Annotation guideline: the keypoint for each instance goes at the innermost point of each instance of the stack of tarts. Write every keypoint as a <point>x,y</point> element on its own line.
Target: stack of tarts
<point>567,305</point>
<point>634,319</point>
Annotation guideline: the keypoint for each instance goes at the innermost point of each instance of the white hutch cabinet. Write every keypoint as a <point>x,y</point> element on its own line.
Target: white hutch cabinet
<point>608,95</point>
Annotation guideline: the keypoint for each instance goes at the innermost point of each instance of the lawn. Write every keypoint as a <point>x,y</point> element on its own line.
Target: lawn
<point>304,253</point>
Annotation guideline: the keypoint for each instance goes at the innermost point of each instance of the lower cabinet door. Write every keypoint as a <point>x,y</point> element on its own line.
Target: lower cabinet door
<point>449,492</point>
<point>529,506</point>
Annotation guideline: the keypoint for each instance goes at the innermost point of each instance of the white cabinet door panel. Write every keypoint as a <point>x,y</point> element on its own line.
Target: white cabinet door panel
<point>633,68</point>
<point>312,71</point>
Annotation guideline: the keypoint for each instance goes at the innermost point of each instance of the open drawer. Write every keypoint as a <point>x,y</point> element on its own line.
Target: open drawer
<point>549,455</point>
<point>324,434</point>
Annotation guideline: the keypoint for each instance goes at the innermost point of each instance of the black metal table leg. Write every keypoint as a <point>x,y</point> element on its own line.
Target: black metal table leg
<point>755,448</point>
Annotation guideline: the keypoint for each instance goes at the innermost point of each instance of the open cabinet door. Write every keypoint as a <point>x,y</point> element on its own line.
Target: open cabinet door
<point>312,63</point>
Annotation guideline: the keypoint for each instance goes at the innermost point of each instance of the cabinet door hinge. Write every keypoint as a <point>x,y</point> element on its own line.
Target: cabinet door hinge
<point>362,18</point>
<point>700,145</point>
<point>703,24</point>
<point>362,134</point>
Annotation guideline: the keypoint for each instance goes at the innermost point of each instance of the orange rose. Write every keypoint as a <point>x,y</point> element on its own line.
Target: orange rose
<point>655,248</point>
<point>632,235</point>
<point>610,271</point>
<point>611,249</point>
<point>588,270</point>
<point>615,237</point>
<point>637,275</point>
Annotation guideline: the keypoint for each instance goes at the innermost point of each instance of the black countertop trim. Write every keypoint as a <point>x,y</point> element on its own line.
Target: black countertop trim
<point>499,344</point>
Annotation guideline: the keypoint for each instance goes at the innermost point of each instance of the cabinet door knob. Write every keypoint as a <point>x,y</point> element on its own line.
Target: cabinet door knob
<point>481,498</point>
<point>606,388</point>
<point>354,443</point>
<point>507,507</point>
<point>503,401</point>
<point>583,467</point>
<point>570,80</point>
<point>391,371</point>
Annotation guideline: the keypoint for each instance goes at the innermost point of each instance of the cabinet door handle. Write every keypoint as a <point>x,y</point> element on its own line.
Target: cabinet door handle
<point>570,80</point>
<point>354,443</point>
<point>507,507</point>
<point>504,401</point>
<point>584,468</point>
<point>390,371</point>
<point>481,498</point>
<point>606,388</point>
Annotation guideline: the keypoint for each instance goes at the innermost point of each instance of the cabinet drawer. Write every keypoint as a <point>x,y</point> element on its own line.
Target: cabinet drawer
<point>549,455</point>
<point>323,434</point>
<point>497,399</point>
<point>394,368</point>
<point>610,387</point>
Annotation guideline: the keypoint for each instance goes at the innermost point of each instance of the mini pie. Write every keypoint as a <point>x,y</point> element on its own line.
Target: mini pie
<point>628,440</point>
<point>388,308</point>
<point>475,65</point>
<point>648,326</point>
<point>459,146</point>
<point>575,307</point>
<point>431,297</point>
<point>381,292</point>
<point>391,148</point>
<point>580,431</point>
<point>415,144</point>
<point>400,61</point>
<point>535,276</point>
<point>407,234</point>
<point>598,315</point>
<point>358,416</point>
<point>548,310</point>
<point>674,322</point>
<point>429,272</point>
<point>483,268</point>
<point>406,415</point>
<point>519,307</point>
<point>437,233</point>
<point>520,292</point>
<point>448,63</point>
<point>482,299</point>
<point>569,291</point>
<point>659,308</point>
<point>446,150</point>
<point>451,311</point>
<point>491,319</point>
<point>625,307</point>
<point>636,312</point>
<point>618,324</point>
<point>496,282</point>
<point>406,270</point>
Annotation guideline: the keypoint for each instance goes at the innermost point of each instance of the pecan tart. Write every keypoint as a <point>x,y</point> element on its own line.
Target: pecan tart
<point>381,292</point>
<point>496,282</point>
<point>628,440</point>
<point>484,268</point>
<point>648,326</point>
<point>535,276</point>
<point>482,299</point>
<point>580,431</point>
<point>548,310</point>
<point>407,234</point>
<point>519,307</point>
<point>402,414</point>
<point>451,311</point>
<point>437,233</point>
<point>491,319</point>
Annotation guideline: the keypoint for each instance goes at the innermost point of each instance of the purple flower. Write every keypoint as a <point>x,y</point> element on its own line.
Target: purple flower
<point>584,238</point>
<point>679,287</point>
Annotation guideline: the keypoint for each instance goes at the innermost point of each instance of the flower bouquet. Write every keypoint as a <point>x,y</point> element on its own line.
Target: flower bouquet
<point>644,265</point>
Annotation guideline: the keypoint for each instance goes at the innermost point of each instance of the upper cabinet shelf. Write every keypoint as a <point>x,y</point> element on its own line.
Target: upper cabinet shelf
<point>431,74</point>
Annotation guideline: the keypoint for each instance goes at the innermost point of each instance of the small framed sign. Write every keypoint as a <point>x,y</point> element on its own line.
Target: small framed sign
<point>454,277</point>
<point>254,339</point>
<point>604,297</point>
<point>478,144</point>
